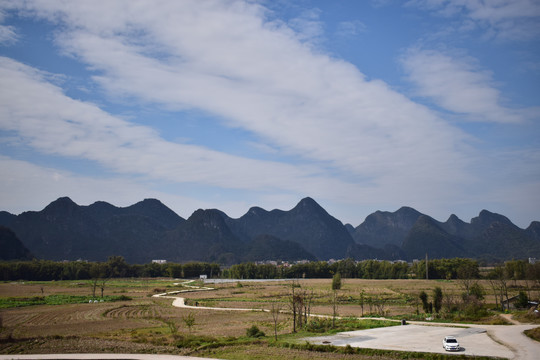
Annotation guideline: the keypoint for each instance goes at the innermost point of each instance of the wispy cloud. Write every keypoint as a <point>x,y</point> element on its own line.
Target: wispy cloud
<point>53,123</point>
<point>8,35</point>
<point>350,28</point>
<point>28,186</point>
<point>458,84</point>
<point>307,26</point>
<point>503,19</point>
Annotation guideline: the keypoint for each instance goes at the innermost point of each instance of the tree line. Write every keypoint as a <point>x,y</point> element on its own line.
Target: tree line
<point>116,266</point>
<point>348,268</point>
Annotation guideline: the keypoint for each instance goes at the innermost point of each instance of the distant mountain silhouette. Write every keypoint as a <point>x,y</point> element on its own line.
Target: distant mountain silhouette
<point>383,227</point>
<point>150,230</point>
<point>11,248</point>
<point>307,224</point>
<point>489,236</point>
<point>264,247</point>
<point>496,237</point>
<point>427,237</point>
<point>65,230</point>
<point>533,231</point>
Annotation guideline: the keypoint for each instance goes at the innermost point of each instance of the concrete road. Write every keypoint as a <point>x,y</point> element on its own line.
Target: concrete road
<point>506,341</point>
<point>513,338</point>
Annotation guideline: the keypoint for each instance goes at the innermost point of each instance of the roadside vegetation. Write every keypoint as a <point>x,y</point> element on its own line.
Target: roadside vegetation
<point>533,333</point>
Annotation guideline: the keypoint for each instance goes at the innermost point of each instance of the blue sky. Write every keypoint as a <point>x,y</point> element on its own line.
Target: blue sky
<point>361,105</point>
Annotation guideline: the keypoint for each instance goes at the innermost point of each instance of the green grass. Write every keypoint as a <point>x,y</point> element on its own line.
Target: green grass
<point>243,349</point>
<point>376,352</point>
<point>114,282</point>
<point>11,302</point>
<point>324,325</point>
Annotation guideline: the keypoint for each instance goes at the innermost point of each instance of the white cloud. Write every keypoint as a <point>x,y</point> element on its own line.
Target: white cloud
<point>357,140</point>
<point>30,187</point>
<point>458,84</point>
<point>503,19</point>
<point>350,28</point>
<point>44,118</point>
<point>223,58</point>
<point>307,26</point>
<point>8,36</point>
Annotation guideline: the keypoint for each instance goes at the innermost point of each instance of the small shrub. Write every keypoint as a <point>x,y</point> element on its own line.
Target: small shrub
<point>474,308</point>
<point>254,332</point>
<point>522,300</point>
<point>319,325</point>
<point>189,320</point>
<point>349,350</point>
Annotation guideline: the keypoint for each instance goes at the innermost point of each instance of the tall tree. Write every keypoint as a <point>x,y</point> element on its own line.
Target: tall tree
<point>336,282</point>
<point>424,298</point>
<point>437,299</point>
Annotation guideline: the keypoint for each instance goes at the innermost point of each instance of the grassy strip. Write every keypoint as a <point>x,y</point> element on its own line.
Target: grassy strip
<point>324,325</point>
<point>12,302</point>
<point>393,354</point>
<point>114,283</point>
<point>533,333</point>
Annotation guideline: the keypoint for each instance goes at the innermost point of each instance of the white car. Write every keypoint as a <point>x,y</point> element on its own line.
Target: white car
<point>450,343</point>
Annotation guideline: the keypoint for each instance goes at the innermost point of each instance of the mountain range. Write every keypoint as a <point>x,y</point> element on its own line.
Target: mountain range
<point>150,230</point>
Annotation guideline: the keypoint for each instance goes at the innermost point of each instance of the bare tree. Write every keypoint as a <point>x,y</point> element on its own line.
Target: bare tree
<point>98,273</point>
<point>275,310</point>
<point>496,291</point>
<point>307,303</point>
<point>362,301</point>
<point>334,307</point>
<point>503,286</point>
<point>499,281</point>
<point>102,285</point>
<point>380,305</point>
<point>296,304</point>
<point>449,303</point>
<point>93,286</point>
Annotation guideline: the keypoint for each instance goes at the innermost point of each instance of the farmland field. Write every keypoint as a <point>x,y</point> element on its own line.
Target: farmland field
<point>130,319</point>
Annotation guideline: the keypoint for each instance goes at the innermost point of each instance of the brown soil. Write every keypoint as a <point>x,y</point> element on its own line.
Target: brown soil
<point>73,345</point>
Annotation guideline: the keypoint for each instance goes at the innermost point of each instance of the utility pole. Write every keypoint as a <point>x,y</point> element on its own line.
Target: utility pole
<point>427,268</point>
